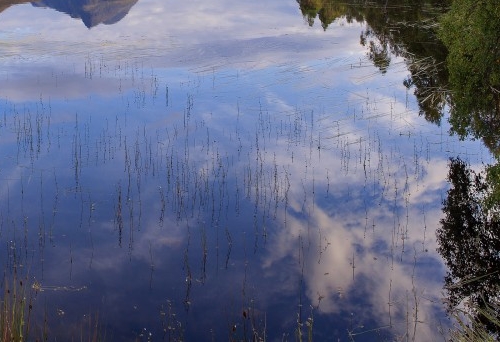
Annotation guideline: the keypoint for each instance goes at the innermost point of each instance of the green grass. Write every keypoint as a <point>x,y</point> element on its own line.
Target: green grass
<point>15,312</point>
<point>17,298</point>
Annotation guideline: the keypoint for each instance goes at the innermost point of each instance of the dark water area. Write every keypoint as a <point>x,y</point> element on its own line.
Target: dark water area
<point>226,170</point>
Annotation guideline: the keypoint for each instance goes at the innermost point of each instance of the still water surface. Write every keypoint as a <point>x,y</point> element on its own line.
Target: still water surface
<point>217,171</point>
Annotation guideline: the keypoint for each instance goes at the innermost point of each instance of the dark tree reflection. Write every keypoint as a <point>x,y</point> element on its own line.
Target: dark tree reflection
<point>469,242</point>
<point>404,28</point>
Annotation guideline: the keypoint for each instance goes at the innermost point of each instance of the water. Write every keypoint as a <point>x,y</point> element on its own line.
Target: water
<point>217,171</point>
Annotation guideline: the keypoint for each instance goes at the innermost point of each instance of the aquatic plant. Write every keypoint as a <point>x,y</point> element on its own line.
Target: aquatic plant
<point>15,310</point>
<point>469,329</point>
<point>17,316</point>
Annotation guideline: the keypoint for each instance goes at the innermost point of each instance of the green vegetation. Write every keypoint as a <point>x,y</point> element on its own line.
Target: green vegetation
<point>471,33</point>
<point>17,323</point>
<point>451,47</point>
<point>469,242</point>
<point>404,28</point>
<point>469,236</point>
<point>15,313</point>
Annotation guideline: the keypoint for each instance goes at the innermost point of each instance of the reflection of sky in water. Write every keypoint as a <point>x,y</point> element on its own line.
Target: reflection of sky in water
<point>218,160</point>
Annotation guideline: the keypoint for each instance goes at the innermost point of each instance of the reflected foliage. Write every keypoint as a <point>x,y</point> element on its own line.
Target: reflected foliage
<point>404,28</point>
<point>470,233</point>
<point>451,48</point>
<point>328,11</point>
<point>408,29</point>
<point>471,32</point>
<point>469,242</point>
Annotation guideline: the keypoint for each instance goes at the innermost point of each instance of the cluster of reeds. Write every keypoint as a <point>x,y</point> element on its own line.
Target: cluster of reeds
<point>17,318</point>
<point>15,311</point>
<point>468,328</point>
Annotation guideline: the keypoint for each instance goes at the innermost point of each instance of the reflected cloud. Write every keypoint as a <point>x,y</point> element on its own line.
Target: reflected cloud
<point>343,255</point>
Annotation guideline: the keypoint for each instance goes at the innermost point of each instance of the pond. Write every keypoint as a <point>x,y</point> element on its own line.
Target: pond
<point>222,170</point>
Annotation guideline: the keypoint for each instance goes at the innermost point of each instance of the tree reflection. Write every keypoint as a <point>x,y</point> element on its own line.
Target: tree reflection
<point>471,32</point>
<point>404,28</point>
<point>327,11</point>
<point>452,50</point>
<point>469,242</point>
<point>408,29</point>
